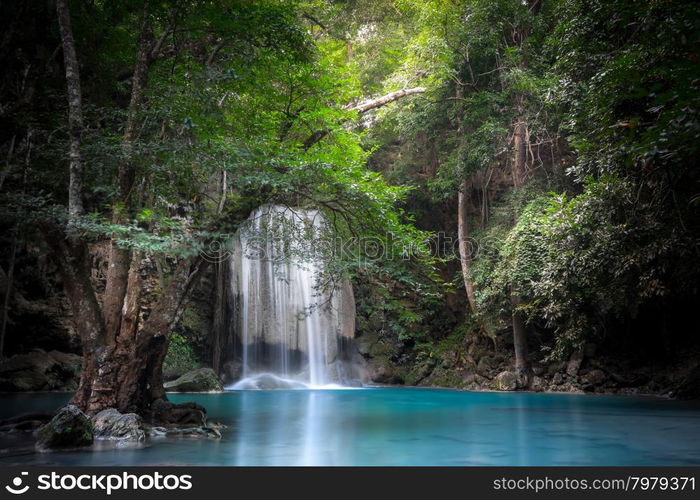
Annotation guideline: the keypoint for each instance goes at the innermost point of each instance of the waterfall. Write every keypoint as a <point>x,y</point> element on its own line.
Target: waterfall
<point>289,330</point>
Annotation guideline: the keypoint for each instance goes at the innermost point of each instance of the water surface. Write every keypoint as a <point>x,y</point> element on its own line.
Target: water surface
<point>403,426</point>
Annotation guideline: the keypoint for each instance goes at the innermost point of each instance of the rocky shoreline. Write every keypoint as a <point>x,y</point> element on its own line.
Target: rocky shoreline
<point>474,364</point>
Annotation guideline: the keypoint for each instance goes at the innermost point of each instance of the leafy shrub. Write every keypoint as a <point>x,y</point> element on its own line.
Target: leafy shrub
<point>180,358</point>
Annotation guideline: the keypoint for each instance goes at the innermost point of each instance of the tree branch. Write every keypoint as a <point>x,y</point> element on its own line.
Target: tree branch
<point>363,107</point>
<point>385,99</point>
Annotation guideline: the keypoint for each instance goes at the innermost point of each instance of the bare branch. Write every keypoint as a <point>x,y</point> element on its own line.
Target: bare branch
<point>385,99</point>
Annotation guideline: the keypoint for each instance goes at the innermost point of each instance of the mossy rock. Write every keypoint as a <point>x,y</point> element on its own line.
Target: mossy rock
<point>69,428</point>
<point>200,380</point>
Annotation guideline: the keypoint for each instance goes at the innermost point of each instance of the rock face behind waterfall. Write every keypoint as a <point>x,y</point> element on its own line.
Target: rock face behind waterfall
<point>288,318</point>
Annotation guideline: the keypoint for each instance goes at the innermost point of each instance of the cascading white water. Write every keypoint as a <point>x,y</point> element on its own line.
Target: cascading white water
<point>288,327</point>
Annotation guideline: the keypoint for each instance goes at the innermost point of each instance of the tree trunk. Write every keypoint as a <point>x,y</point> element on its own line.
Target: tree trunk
<point>522,365</point>
<point>219,315</point>
<point>123,372</point>
<point>518,173</point>
<point>122,360</point>
<point>120,258</point>
<point>75,110</point>
<point>465,246</point>
<point>74,267</point>
<point>8,291</point>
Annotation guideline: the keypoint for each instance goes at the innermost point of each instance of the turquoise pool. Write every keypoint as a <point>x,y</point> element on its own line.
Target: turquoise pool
<point>404,426</point>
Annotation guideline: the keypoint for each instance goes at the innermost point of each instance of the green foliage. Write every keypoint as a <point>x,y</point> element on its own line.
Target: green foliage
<point>258,93</point>
<point>180,357</point>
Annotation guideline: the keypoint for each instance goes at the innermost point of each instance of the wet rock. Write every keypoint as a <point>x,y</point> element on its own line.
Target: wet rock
<point>353,382</point>
<point>165,412</point>
<point>156,431</point>
<point>267,381</point>
<point>200,380</point>
<point>593,378</point>
<point>69,428</point>
<point>113,425</point>
<point>506,381</point>
<point>194,432</point>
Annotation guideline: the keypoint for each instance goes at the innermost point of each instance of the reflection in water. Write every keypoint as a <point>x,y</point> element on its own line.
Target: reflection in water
<point>297,432</point>
<point>409,427</point>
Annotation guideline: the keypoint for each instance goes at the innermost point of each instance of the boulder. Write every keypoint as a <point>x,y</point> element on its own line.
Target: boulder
<point>555,367</point>
<point>449,358</point>
<point>35,360</point>
<point>194,432</point>
<point>69,428</point>
<point>558,379</point>
<point>25,381</point>
<point>593,378</point>
<point>200,380</point>
<point>266,381</point>
<point>69,360</point>
<point>538,369</point>
<point>382,372</point>
<point>574,364</point>
<point>165,412</point>
<point>38,370</point>
<point>537,384</point>
<point>112,425</point>
<point>484,366</point>
<point>506,381</point>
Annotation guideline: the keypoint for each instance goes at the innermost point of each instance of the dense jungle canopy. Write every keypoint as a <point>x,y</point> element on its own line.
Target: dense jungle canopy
<point>524,172</point>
